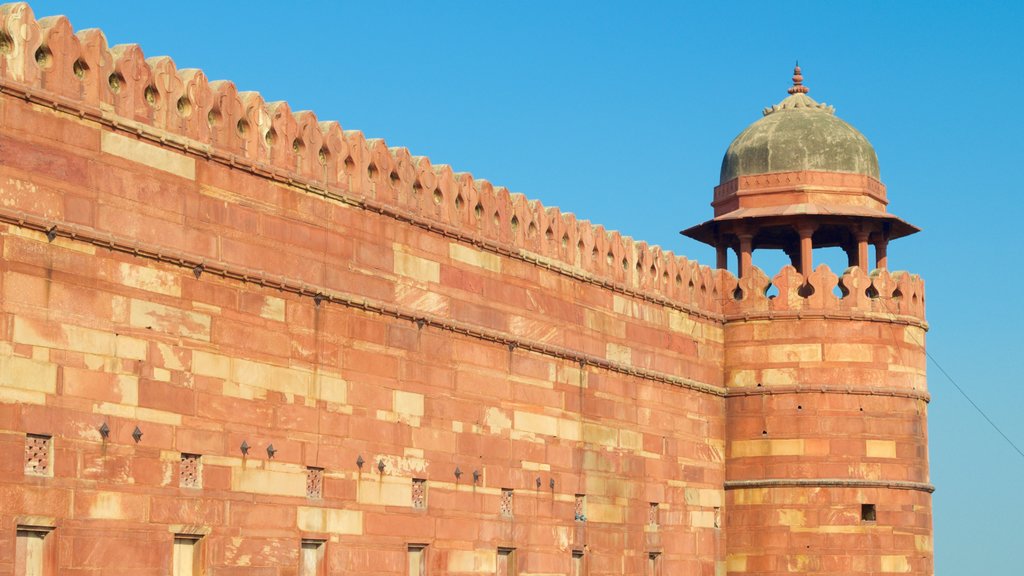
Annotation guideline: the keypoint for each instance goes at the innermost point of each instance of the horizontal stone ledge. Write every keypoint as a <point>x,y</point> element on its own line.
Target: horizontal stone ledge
<point>829,314</point>
<point>827,389</point>
<point>828,483</point>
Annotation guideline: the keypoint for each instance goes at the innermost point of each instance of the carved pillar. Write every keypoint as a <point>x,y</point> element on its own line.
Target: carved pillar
<point>862,250</point>
<point>806,248</point>
<point>881,256</point>
<point>746,262</point>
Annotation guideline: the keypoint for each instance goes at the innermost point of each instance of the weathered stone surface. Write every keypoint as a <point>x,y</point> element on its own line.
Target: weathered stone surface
<point>190,302</point>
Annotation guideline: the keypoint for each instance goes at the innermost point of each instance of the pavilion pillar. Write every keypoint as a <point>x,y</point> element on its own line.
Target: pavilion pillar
<point>862,250</point>
<point>722,254</point>
<point>806,231</point>
<point>746,250</point>
<point>881,255</point>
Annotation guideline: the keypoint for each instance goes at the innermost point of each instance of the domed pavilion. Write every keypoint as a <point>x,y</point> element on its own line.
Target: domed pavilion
<point>797,179</point>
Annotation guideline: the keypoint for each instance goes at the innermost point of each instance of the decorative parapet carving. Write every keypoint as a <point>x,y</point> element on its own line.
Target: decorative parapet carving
<point>895,296</point>
<point>47,63</point>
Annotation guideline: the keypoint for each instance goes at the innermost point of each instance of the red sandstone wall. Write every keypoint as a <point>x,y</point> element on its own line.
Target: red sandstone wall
<point>177,258</point>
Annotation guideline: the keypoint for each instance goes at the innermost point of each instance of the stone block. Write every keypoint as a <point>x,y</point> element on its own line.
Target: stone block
<point>148,154</point>
<point>329,521</point>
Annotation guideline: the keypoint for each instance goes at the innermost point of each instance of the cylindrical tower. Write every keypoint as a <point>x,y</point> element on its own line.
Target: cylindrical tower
<point>827,455</point>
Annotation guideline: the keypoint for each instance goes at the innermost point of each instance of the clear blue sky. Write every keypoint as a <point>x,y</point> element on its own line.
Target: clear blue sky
<point>620,112</point>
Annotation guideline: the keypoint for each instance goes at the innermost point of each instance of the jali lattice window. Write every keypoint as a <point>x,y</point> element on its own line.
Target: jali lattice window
<point>37,455</point>
<point>581,508</point>
<point>419,494</point>
<point>315,482</point>
<point>652,515</point>
<point>506,503</point>
<point>190,472</point>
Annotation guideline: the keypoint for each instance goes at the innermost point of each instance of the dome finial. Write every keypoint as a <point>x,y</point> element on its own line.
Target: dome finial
<point>798,81</point>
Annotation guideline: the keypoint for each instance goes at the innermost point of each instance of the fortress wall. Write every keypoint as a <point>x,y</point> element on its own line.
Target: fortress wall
<point>217,288</point>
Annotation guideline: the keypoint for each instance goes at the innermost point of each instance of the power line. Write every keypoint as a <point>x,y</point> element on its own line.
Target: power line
<point>976,407</point>
<point>963,393</point>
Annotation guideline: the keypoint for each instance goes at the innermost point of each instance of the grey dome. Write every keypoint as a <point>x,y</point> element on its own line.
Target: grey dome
<point>799,134</point>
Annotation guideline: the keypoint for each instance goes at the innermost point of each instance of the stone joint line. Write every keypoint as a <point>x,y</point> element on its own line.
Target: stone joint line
<point>257,169</point>
<point>828,483</point>
<point>224,270</point>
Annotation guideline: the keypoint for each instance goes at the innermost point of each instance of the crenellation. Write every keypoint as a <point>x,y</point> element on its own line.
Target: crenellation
<point>213,118</point>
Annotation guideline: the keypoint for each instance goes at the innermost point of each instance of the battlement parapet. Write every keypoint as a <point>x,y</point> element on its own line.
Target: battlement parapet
<point>896,296</point>
<point>45,62</point>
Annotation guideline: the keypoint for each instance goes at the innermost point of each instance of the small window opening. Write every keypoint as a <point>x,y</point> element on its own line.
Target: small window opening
<point>577,563</point>
<point>187,559</point>
<point>506,562</point>
<point>417,559</point>
<point>868,513</point>
<point>33,551</point>
<point>312,560</point>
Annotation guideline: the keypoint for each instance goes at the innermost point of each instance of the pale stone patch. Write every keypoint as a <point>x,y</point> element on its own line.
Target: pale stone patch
<point>474,257</point>
<point>749,496</point>
<point>535,423</point>
<point>604,323</point>
<point>273,308</point>
<point>473,561</point>
<point>747,448</point>
<point>29,375</point>
<point>65,336</point>
<point>128,386</point>
<point>569,429</point>
<point>683,324</point>
<point>270,377</point>
<point>329,521</point>
<point>496,420</point>
<point>408,406</point>
<point>619,353</point>
<point>607,513</point>
<point>601,435</point>
<point>895,564</point>
<point>332,388</point>
<point>16,396</point>
<point>535,466</point>
<point>147,154</point>
<point>880,448</point>
<point>161,375</point>
<point>742,378</point>
<point>385,491</point>
<point>149,279</point>
<point>794,353</point>
<point>131,348</point>
<point>914,335</point>
<point>842,352</point>
<point>208,364</point>
<point>778,376</point>
<point>702,518</point>
<point>113,505</point>
<point>150,315</point>
<point>709,497</point>
<point>791,517</point>
<point>271,482</point>
<point>415,267</point>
